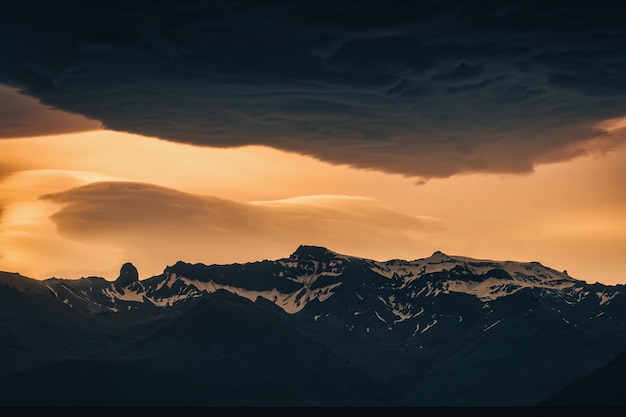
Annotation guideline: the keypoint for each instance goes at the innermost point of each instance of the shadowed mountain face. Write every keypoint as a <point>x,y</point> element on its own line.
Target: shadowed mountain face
<point>603,387</point>
<point>316,328</point>
<point>128,275</point>
<point>222,351</point>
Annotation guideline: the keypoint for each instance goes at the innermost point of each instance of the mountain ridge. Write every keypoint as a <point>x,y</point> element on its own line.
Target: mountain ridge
<point>430,329</point>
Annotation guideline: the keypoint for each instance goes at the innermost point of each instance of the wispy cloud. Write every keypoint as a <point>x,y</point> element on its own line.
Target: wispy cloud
<point>153,225</point>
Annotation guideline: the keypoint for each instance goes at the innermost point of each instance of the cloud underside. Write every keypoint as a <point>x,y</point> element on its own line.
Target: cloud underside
<point>160,220</point>
<point>23,116</point>
<point>428,90</point>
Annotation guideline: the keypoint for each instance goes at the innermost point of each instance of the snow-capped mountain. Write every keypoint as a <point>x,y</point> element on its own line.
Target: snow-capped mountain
<point>395,291</point>
<point>429,329</point>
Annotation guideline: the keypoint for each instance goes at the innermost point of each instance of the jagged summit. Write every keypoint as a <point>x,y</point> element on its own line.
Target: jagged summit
<point>317,253</point>
<point>439,254</point>
<point>128,275</point>
<point>314,274</point>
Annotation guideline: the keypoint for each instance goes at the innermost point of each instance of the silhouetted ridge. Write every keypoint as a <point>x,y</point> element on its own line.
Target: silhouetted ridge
<point>128,275</point>
<point>604,387</point>
<point>440,254</point>
<point>317,253</point>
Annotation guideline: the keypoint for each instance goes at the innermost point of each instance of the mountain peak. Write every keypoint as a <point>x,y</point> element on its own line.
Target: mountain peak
<point>128,275</point>
<point>439,254</point>
<point>316,253</point>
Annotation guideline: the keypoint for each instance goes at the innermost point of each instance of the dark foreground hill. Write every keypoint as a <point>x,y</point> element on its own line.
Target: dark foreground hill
<point>604,387</point>
<point>224,350</point>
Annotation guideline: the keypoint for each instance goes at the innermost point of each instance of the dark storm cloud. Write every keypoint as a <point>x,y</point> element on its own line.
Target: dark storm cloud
<point>22,116</point>
<point>419,88</point>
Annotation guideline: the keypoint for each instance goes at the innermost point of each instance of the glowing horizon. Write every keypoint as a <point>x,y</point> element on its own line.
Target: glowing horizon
<point>566,215</point>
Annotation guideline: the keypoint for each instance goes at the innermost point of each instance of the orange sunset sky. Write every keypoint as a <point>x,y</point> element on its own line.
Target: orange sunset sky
<point>78,200</point>
<point>221,132</point>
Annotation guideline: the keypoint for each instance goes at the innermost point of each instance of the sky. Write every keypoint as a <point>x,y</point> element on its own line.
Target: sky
<point>220,132</point>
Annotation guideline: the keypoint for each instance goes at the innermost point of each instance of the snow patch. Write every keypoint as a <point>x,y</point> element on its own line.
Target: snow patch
<point>290,303</point>
<point>379,318</point>
<point>429,326</point>
<point>170,301</point>
<point>605,298</point>
<point>166,282</point>
<point>493,288</point>
<point>52,289</point>
<point>490,326</point>
<point>125,295</point>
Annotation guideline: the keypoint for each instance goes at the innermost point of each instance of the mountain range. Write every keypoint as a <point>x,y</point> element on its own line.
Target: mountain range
<point>317,328</point>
